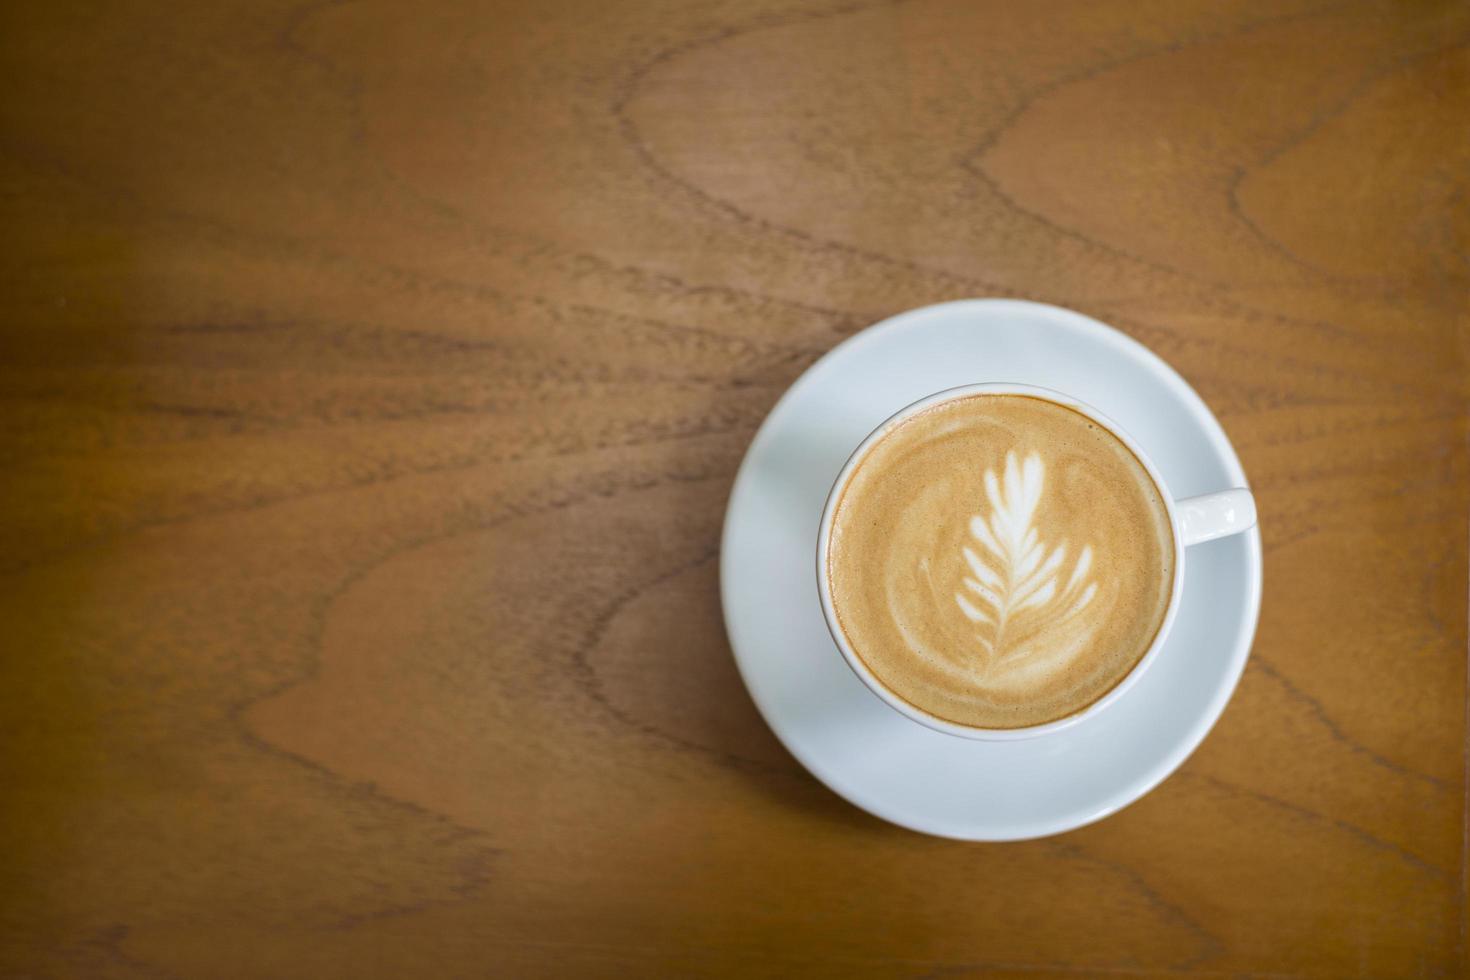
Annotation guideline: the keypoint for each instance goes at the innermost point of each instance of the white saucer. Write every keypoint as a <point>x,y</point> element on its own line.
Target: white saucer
<point>881,761</point>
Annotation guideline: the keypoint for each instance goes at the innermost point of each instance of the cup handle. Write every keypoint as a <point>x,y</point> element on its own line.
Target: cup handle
<point>1215,515</point>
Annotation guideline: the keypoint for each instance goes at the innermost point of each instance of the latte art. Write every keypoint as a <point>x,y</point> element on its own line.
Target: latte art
<point>1017,595</point>
<point>999,561</point>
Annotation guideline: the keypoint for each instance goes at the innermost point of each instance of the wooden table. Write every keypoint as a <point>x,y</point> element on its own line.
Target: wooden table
<point>374,376</point>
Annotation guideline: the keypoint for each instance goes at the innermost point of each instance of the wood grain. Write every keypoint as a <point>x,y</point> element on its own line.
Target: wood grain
<point>374,376</point>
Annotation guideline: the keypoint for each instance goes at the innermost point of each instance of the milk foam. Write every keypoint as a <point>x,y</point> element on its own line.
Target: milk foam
<point>1000,560</point>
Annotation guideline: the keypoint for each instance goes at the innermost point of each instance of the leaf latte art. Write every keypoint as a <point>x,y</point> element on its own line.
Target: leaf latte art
<point>1012,575</point>
<point>999,561</point>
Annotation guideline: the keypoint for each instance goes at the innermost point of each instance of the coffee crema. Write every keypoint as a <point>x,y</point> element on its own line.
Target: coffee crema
<point>1000,561</point>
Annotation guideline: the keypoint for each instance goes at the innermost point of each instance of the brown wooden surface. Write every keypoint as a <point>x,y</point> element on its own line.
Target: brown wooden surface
<point>374,375</point>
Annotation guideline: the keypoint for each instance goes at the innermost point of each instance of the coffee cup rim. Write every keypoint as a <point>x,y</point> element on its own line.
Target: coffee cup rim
<point>907,708</point>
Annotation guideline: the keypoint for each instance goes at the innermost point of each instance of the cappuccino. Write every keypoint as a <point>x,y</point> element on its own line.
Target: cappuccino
<point>1000,560</point>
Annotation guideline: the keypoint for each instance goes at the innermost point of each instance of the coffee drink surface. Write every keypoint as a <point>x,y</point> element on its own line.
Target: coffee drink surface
<point>1000,561</point>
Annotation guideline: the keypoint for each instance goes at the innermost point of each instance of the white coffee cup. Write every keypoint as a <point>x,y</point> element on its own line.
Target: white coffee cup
<point>1192,520</point>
